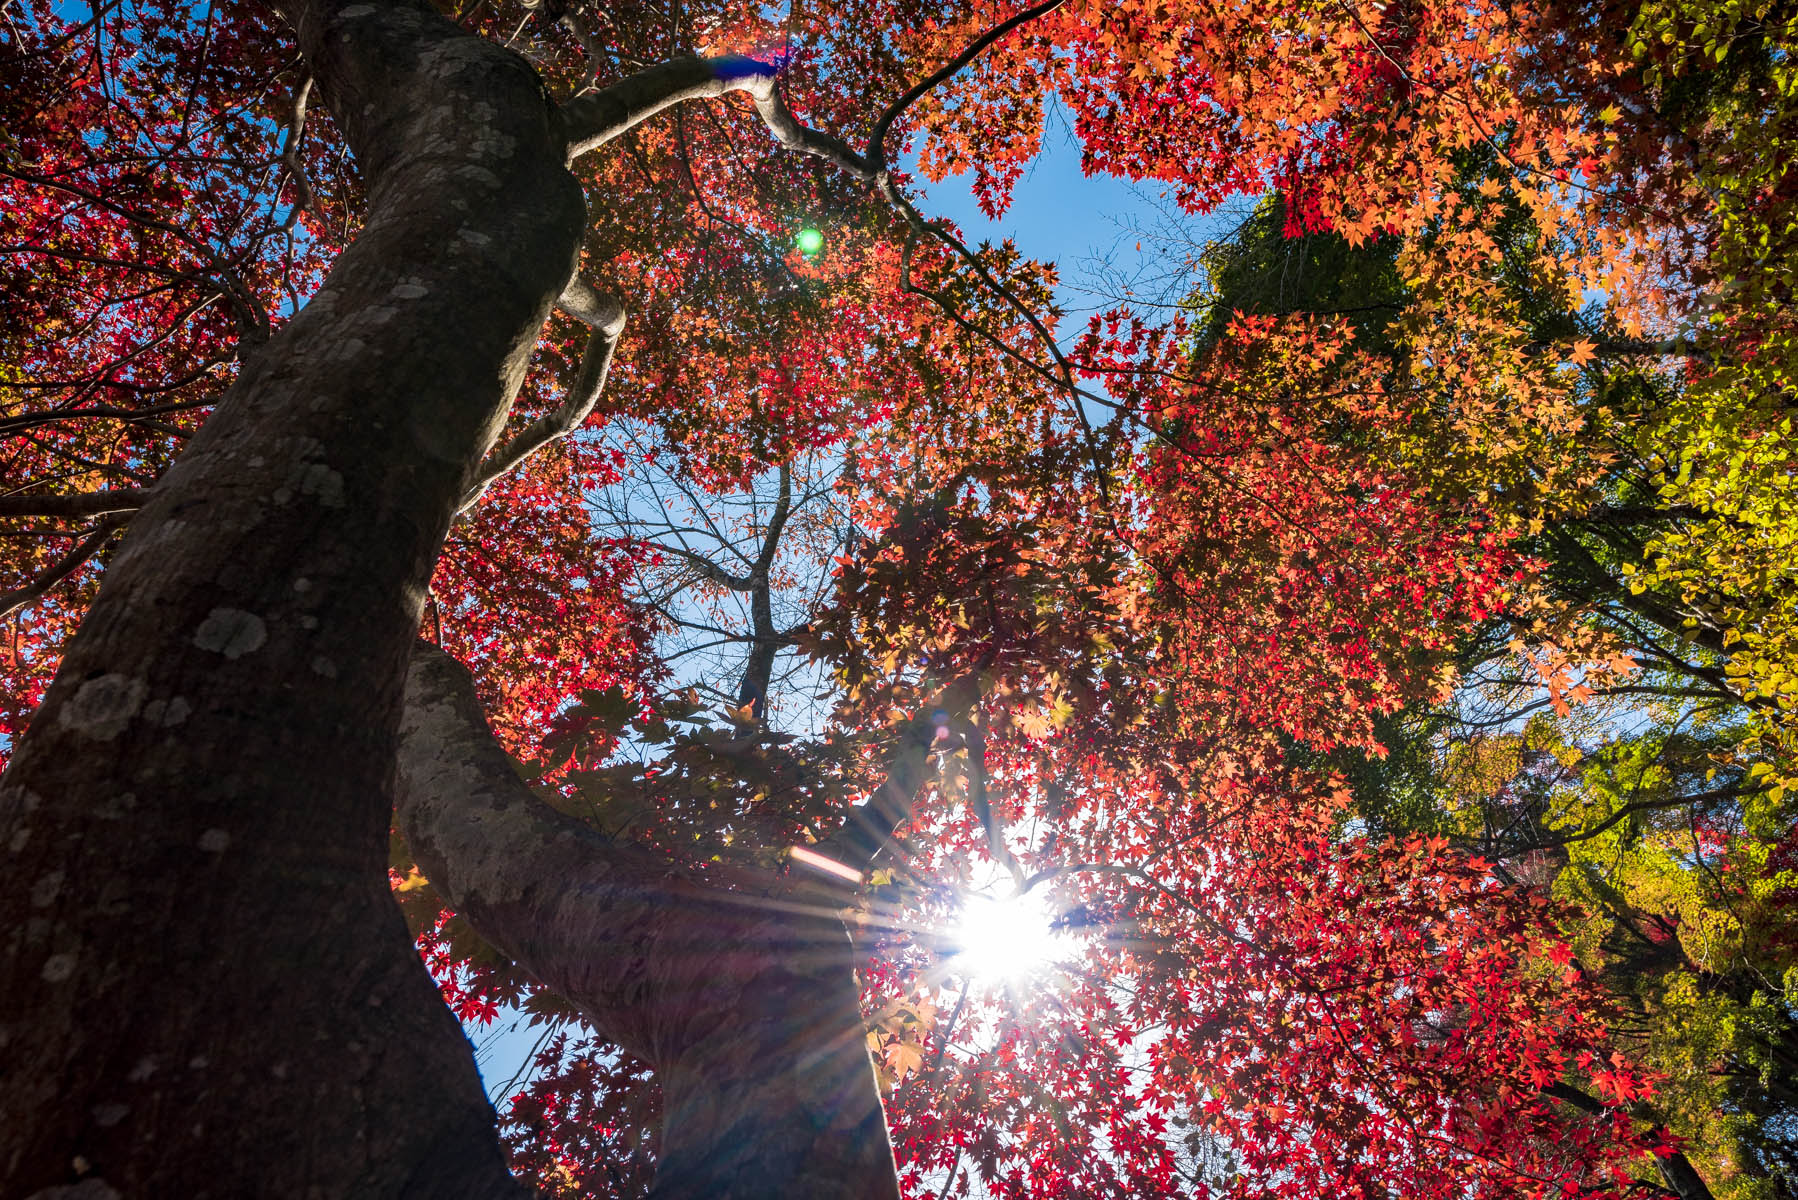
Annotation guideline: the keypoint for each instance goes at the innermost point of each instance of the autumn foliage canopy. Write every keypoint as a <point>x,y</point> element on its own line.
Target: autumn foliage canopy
<point>1378,663</point>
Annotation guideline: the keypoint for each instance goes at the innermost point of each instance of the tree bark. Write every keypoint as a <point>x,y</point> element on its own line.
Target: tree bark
<point>742,997</point>
<point>205,988</point>
<point>1681,1178</point>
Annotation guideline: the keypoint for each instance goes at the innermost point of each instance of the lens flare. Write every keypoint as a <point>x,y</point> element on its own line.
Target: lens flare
<point>809,241</point>
<point>1006,938</point>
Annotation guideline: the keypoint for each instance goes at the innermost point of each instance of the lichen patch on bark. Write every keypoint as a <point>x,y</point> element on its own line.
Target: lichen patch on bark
<point>231,632</point>
<point>104,706</point>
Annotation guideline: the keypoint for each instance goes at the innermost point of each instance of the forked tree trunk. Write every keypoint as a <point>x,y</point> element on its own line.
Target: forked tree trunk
<point>743,1000</point>
<point>205,988</point>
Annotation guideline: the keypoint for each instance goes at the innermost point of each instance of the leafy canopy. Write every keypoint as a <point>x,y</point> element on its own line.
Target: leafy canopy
<point>1195,613</point>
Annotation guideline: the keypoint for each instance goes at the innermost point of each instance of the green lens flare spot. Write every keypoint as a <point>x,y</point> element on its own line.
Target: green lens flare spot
<point>809,241</point>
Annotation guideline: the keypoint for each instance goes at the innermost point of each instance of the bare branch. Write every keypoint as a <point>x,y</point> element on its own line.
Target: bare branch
<point>11,602</point>
<point>590,121</point>
<point>74,504</point>
<point>877,140</point>
<point>771,106</point>
<point>291,149</point>
<point>604,314</point>
<point>707,568</point>
<point>753,693</point>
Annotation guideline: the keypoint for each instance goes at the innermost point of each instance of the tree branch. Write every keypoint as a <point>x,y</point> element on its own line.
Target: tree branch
<point>877,139</point>
<point>1676,1169</point>
<point>61,569</point>
<point>708,985</point>
<point>604,315</point>
<point>771,106</point>
<point>1629,810</point>
<point>766,640</point>
<point>590,121</point>
<point>292,151</point>
<point>707,568</point>
<point>33,420</point>
<point>975,734</point>
<point>570,906</point>
<point>74,504</point>
<point>872,823</point>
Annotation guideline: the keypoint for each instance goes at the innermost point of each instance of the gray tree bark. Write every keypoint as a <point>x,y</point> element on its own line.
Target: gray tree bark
<point>740,993</point>
<point>205,988</point>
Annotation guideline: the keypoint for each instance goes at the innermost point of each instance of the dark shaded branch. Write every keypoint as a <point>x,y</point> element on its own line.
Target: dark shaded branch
<point>1603,586</point>
<point>1630,810</point>
<point>74,504</point>
<point>1682,1180</point>
<point>877,139</point>
<point>591,48</point>
<point>252,320</point>
<point>753,694</point>
<point>61,569</point>
<point>975,735</point>
<point>1640,514</point>
<point>1674,347</point>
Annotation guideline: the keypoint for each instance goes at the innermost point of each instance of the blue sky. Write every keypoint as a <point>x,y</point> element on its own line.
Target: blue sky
<point>1107,234</point>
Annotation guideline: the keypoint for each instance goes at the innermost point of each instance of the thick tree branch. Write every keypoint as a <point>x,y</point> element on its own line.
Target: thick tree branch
<point>872,823</point>
<point>569,906</point>
<point>604,315</point>
<point>590,121</point>
<point>1682,1180</point>
<point>1602,585</point>
<point>75,504</point>
<point>744,1001</point>
<point>771,106</point>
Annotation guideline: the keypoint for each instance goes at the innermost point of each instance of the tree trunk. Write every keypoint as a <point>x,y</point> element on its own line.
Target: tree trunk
<point>1681,1178</point>
<point>742,998</point>
<point>205,988</point>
